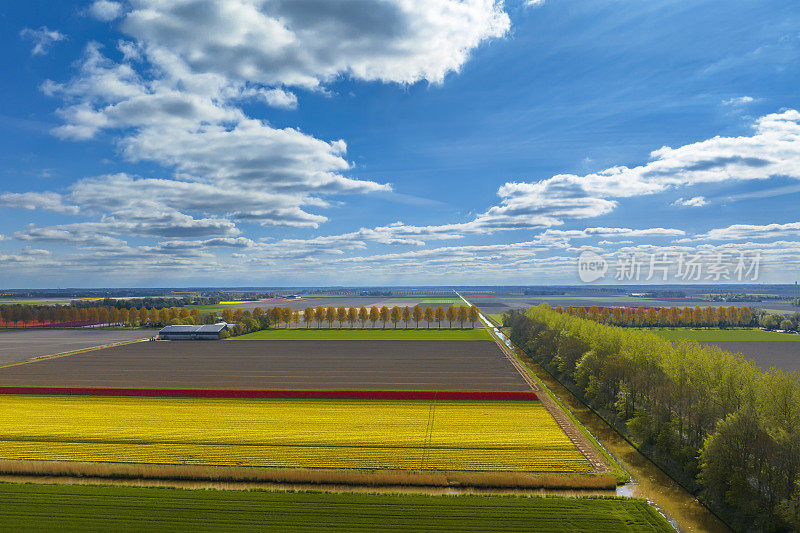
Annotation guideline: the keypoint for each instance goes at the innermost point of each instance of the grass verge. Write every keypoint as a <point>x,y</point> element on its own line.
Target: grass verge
<point>37,507</point>
<point>316,476</point>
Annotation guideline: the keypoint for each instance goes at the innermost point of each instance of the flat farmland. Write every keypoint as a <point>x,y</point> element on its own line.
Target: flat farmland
<point>765,354</point>
<point>314,365</point>
<point>472,435</point>
<point>21,344</point>
<point>32,507</point>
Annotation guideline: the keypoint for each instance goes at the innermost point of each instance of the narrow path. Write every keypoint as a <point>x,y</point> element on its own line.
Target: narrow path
<point>567,425</point>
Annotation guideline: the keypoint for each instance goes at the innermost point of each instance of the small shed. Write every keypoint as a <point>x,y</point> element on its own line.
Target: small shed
<point>191,333</point>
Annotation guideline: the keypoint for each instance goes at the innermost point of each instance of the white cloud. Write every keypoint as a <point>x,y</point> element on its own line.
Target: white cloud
<point>534,3</point>
<point>43,39</point>
<point>773,150</point>
<point>751,231</point>
<point>105,10</point>
<point>290,43</point>
<point>279,98</point>
<point>738,101</point>
<point>46,201</point>
<point>697,201</point>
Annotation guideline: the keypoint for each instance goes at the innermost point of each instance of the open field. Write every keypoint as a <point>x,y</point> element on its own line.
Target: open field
<point>358,434</point>
<point>21,344</point>
<point>724,335</point>
<point>766,349</point>
<point>28,507</point>
<point>376,365</point>
<point>765,354</point>
<point>505,302</point>
<point>367,334</point>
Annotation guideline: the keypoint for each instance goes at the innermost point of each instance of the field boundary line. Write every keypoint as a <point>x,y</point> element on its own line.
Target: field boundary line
<point>277,393</point>
<point>588,447</point>
<point>72,352</point>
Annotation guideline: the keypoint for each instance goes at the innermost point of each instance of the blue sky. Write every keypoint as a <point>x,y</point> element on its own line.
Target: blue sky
<point>155,142</point>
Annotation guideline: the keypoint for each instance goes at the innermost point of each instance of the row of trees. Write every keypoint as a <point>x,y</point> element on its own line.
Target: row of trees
<point>147,301</point>
<point>68,316</point>
<point>728,431</point>
<point>384,315</point>
<point>664,317</point>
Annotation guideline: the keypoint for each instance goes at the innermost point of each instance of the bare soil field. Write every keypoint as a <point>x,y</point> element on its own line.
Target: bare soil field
<point>765,354</point>
<point>313,365</point>
<point>19,345</point>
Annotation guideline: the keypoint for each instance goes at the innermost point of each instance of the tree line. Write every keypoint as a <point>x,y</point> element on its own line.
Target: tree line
<point>394,315</point>
<point>148,302</point>
<point>729,432</point>
<point>664,316</point>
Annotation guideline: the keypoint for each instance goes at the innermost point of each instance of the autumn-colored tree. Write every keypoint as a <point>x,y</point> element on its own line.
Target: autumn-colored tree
<point>417,314</point>
<point>627,317</point>
<point>308,316</point>
<point>238,315</point>
<point>451,314</point>
<point>474,315</point>
<point>462,314</point>
<point>352,316</point>
<point>697,316</point>
<point>363,316</point>
<point>374,315</point>
<point>732,315</point>
<point>440,315</point>
<point>195,313</point>
<point>124,316</point>
<point>709,316</point>
<point>385,315</point>
<point>430,316</point>
<point>227,316</point>
<point>330,316</point>
<point>396,315</point>
<point>341,315</point>
<point>183,312</point>
<point>593,313</point>
<point>721,316</point>
<point>406,315</point>
<point>320,314</point>
<point>257,311</point>
<point>652,316</point>
<point>286,315</point>
<point>686,316</point>
<point>296,317</point>
<point>745,316</point>
<point>559,310</point>
<point>605,316</point>
<point>163,316</point>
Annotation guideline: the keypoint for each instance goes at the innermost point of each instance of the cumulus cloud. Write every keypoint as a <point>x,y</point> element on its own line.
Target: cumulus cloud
<point>751,231</point>
<point>46,201</point>
<point>696,201</point>
<point>42,38</point>
<point>772,150</point>
<point>285,42</point>
<point>105,10</point>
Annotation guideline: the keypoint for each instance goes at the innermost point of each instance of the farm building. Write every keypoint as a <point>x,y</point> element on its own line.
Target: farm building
<point>190,333</point>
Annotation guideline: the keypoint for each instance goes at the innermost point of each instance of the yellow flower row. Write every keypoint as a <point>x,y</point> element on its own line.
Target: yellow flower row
<point>406,434</point>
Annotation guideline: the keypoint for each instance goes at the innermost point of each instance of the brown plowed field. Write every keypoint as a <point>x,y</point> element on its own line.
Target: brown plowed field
<point>389,365</point>
<point>765,354</point>
<point>21,344</point>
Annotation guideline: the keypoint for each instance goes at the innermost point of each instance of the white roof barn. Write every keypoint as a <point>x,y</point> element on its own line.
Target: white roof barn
<point>201,332</point>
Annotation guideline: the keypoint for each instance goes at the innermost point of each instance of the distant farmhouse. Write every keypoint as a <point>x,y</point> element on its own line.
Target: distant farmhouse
<point>191,333</point>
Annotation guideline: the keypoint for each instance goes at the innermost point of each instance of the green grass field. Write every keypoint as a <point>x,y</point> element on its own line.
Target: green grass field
<point>368,334</point>
<point>35,507</point>
<point>720,335</point>
<point>497,319</point>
